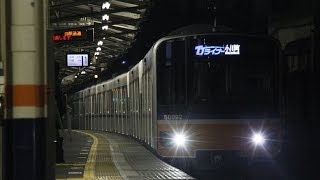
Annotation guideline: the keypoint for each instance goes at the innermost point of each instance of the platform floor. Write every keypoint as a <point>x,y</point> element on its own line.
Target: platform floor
<point>100,155</point>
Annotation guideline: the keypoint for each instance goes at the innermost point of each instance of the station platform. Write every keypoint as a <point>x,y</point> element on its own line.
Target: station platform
<point>96,155</point>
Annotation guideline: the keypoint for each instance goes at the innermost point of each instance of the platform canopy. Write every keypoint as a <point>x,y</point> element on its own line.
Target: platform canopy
<point>108,27</point>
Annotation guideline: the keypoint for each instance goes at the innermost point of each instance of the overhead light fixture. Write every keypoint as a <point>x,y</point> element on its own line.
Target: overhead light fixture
<point>83,72</point>
<point>104,37</point>
<point>96,76</point>
<point>96,53</point>
<point>98,49</point>
<point>100,43</point>
<point>106,5</point>
<point>75,76</point>
<point>105,17</point>
<point>105,27</point>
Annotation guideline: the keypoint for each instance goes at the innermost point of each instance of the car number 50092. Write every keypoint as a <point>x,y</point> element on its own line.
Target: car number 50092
<point>172,117</point>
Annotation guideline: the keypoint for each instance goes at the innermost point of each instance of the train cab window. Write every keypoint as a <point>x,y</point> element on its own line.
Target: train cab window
<point>232,84</point>
<point>171,73</point>
<point>251,78</point>
<point>208,80</point>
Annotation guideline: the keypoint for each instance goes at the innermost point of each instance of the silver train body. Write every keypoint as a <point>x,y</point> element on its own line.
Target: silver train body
<point>123,105</point>
<point>138,103</point>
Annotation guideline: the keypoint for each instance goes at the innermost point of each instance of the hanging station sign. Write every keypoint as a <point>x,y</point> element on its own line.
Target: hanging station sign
<point>73,35</point>
<point>77,59</point>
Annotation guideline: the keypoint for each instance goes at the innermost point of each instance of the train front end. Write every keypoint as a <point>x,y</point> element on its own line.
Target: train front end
<point>218,96</point>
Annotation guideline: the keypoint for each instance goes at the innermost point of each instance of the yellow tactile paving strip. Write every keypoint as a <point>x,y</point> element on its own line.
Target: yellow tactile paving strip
<point>99,164</point>
<point>90,165</point>
<point>115,157</point>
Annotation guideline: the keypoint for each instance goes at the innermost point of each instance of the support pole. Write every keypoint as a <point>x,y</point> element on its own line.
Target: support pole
<point>25,95</point>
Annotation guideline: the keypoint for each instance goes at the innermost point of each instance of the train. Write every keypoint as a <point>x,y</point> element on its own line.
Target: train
<point>199,96</point>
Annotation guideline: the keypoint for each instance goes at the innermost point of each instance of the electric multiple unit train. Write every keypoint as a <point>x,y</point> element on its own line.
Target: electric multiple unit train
<point>194,96</point>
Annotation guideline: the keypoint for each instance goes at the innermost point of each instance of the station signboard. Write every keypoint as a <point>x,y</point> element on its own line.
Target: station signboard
<point>73,35</point>
<point>77,59</point>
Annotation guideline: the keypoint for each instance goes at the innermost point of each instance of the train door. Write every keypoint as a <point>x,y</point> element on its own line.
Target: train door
<point>121,110</point>
<point>94,111</point>
<point>97,113</point>
<point>149,107</point>
<point>124,109</point>
<point>91,111</point>
<point>143,107</point>
<point>118,99</point>
<point>87,115</point>
<point>108,99</point>
<point>115,114</point>
<point>102,103</point>
<point>113,107</point>
<point>135,105</point>
<point>117,110</point>
<point>100,100</point>
<point>138,109</point>
<point>106,109</point>
<point>88,109</point>
<point>101,109</point>
<point>131,115</point>
<point>145,80</point>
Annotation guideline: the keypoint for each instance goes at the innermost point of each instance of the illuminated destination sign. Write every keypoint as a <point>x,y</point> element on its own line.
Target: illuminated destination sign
<point>74,35</point>
<point>229,49</point>
<point>77,59</point>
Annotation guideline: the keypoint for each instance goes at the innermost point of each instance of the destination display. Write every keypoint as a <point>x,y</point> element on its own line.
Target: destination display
<point>73,35</point>
<point>214,50</point>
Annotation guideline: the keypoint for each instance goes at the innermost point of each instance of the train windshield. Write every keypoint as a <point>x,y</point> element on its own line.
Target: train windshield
<point>219,75</point>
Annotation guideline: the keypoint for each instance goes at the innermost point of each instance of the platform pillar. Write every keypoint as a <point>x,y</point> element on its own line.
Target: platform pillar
<point>25,137</point>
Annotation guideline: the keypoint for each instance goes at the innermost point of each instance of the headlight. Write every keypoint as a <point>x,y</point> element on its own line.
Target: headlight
<point>173,139</point>
<point>258,139</point>
<point>179,139</point>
